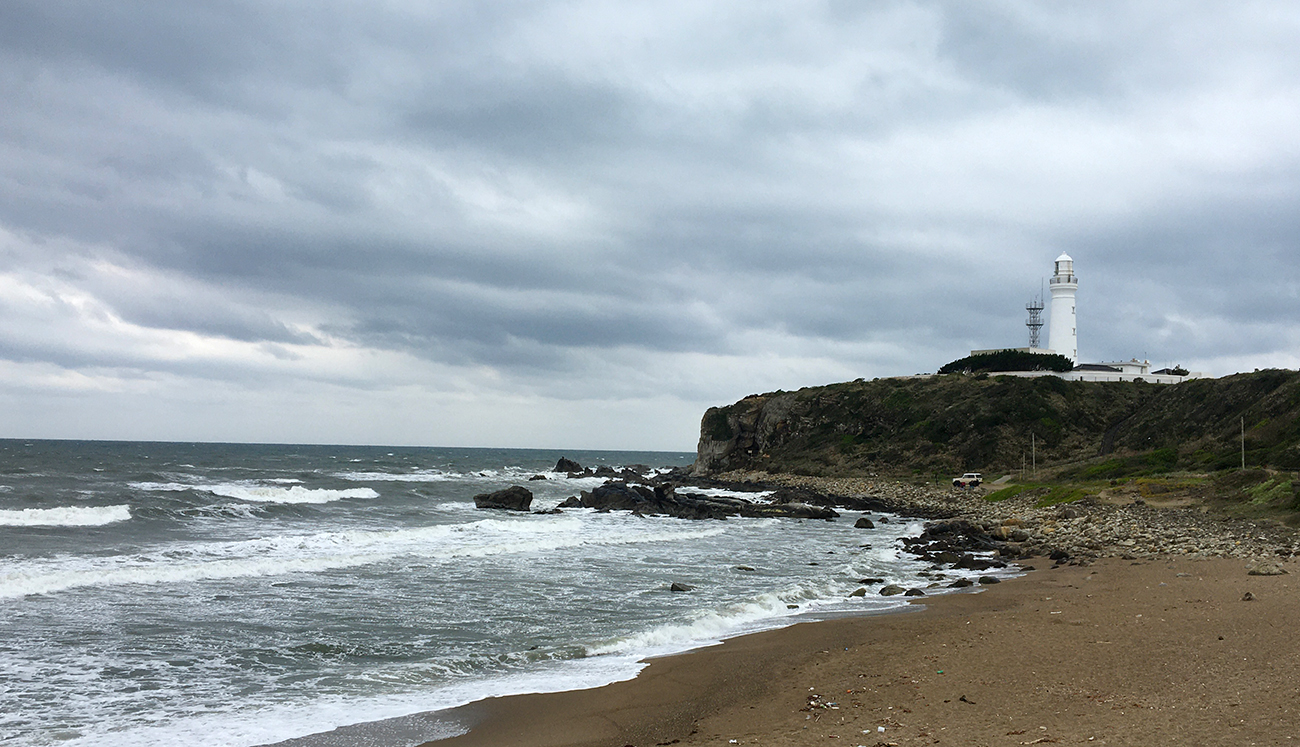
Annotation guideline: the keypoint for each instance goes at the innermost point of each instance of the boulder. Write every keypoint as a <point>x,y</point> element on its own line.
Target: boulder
<point>913,593</point>
<point>513,498</point>
<point>619,496</point>
<point>972,563</point>
<point>864,523</point>
<point>567,465</point>
<point>892,590</point>
<point>681,587</point>
<point>806,511</point>
<point>571,502</point>
<point>961,583</point>
<point>1266,569</point>
<point>858,592</point>
<point>987,580</point>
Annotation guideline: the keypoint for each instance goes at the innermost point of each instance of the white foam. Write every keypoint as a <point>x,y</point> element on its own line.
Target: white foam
<point>295,494</point>
<point>724,493</point>
<point>708,627</point>
<point>163,487</point>
<point>280,555</point>
<point>65,516</point>
<point>420,476</point>
<point>259,493</point>
<point>238,726</point>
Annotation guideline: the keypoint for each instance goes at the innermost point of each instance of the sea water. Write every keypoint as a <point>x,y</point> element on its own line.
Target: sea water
<point>162,594</point>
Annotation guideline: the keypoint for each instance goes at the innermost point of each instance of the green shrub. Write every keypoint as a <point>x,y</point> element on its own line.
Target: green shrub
<point>1061,494</point>
<point>1009,360</point>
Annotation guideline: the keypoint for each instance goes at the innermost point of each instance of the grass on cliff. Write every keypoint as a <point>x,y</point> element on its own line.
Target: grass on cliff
<point>1253,494</point>
<point>1258,494</point>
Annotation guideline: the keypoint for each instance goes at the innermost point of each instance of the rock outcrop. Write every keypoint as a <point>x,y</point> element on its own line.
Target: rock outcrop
<point>952,423</point>
<point>667,500</point>
<point>513,498</point>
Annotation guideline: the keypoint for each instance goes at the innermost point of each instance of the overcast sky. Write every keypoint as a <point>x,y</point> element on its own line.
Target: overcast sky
<point>579,224</point>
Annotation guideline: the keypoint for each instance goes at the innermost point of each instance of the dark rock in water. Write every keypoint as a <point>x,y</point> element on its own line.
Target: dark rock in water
<point>567,465</point>
<point>537,477</point>
<point>743,568</point>
<point>549,511</point>
<point>619,496</point>
<point>872,581</point>
<point>681,587</point>
<point>605,470</point>
<point>961,583</point>
<point>513,498</point>
<point>864,523</point>
<point>947,557</point>
<point>972,563</point>
<point>913,593</point>
<point>571,502</point>
<point>861,591</point>
<point>892,590</point>
<point>883,520</point>
<point>806,511</point>
<point>664,499</point>
<point>987,580</point>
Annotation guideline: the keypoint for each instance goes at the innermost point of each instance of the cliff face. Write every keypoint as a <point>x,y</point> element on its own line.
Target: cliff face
<point>956,423</point>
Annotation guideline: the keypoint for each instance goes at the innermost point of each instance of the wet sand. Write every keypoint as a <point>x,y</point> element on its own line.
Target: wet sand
<point>1161,651</point>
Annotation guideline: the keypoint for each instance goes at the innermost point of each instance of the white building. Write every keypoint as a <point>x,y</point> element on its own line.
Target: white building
<point>1063,333</point>
<point>1130,370</point>
<point>1063,338</point>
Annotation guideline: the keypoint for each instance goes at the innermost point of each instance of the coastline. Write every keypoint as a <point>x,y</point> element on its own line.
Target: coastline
<point>1116,652</point>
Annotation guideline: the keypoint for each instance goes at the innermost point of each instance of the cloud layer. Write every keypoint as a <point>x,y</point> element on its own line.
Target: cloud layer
<point>578,224</point>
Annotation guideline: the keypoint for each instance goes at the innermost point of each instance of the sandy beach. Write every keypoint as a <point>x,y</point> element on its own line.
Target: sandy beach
<point>1161,650</point>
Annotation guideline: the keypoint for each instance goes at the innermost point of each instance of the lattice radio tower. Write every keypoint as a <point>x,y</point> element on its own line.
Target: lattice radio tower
<point>1035,323</point>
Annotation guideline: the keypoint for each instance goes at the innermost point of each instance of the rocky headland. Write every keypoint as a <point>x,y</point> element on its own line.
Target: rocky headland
<point>1018,528</point>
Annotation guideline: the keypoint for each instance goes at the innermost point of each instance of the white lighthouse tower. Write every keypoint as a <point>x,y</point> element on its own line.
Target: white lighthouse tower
<point>1062,334</point>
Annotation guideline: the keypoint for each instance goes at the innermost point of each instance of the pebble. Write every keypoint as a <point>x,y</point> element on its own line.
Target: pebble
<point>1078,531</point>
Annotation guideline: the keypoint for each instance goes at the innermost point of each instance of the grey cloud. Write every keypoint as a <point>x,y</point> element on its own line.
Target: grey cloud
<point>536,189</point>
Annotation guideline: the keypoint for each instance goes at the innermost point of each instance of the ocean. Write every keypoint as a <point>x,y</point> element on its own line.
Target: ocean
<point>227,594</point>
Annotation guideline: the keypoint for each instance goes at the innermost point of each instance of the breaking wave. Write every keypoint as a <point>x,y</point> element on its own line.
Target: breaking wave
<point>65,516</point>
<point>277,556</point>
<point>256,493</point>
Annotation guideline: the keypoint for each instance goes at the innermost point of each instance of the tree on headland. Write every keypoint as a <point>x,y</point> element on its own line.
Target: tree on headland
<point>1009,360</point>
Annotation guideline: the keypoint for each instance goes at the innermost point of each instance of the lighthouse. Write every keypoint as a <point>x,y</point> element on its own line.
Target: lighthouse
<point>1062,335</point>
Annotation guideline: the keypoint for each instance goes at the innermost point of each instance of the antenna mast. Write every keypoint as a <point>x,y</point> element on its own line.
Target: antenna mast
<point>1035,323</point>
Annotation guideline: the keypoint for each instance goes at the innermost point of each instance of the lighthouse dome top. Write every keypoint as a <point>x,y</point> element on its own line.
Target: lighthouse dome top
<point>1064,258</point>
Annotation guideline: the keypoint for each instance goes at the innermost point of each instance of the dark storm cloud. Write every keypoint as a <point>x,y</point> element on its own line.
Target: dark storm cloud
<point>586,197</point>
